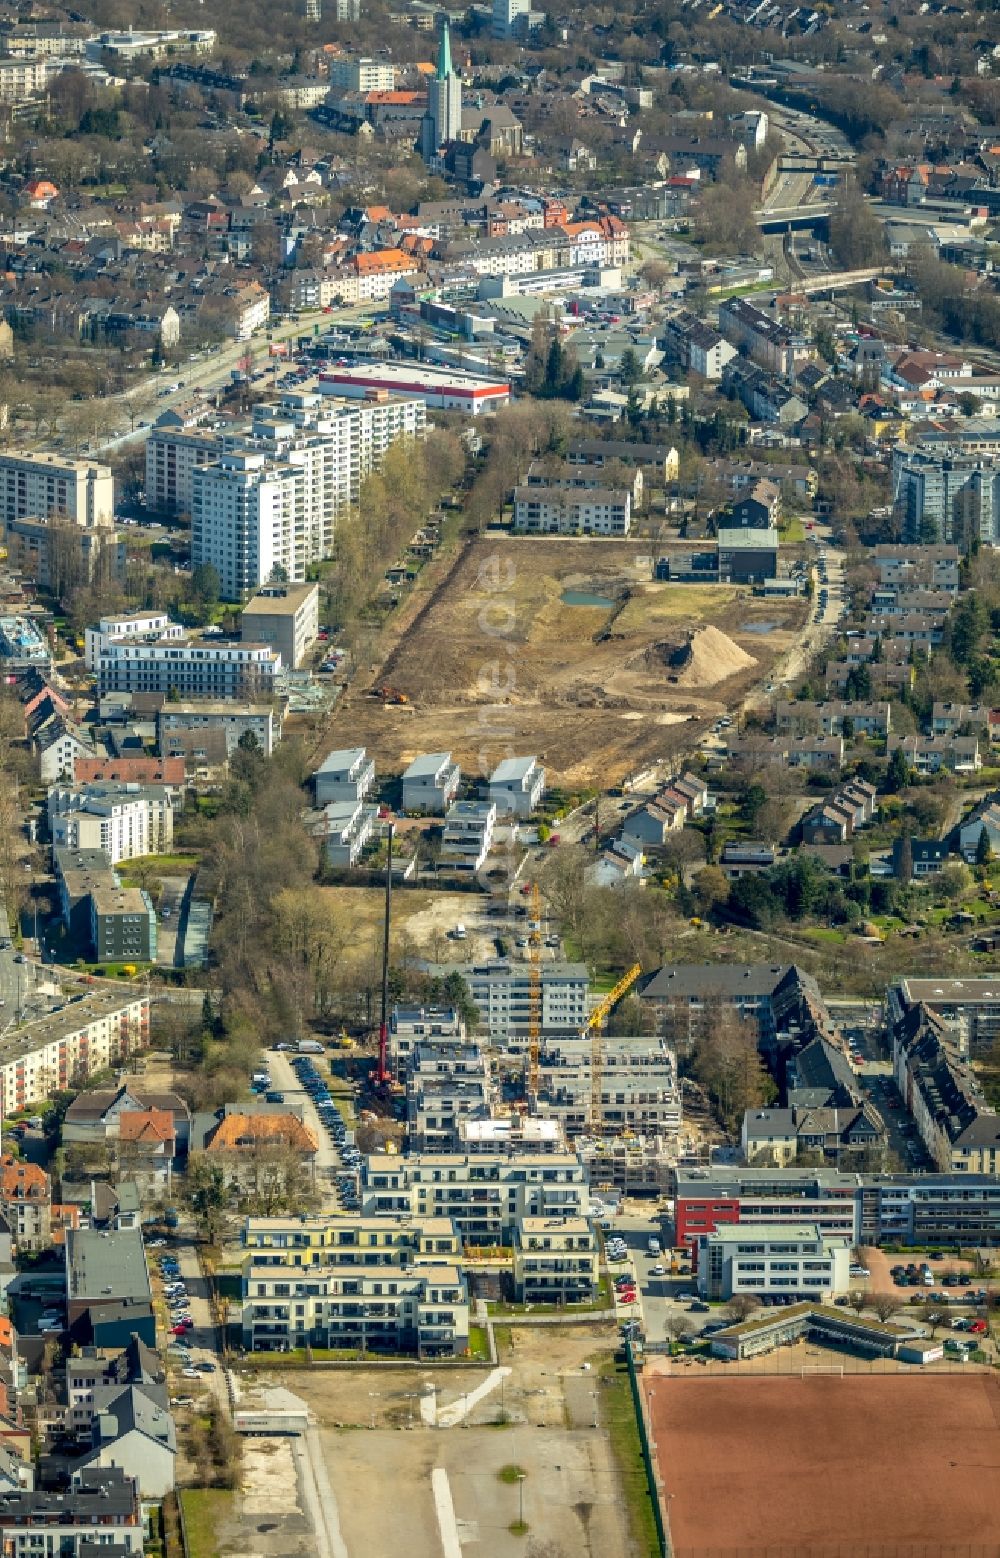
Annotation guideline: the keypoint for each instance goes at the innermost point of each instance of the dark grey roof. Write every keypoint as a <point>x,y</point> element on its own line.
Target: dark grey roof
<point>98,1494</point>
<point>104,1266</point>
<point>705,981</point>
<point>820,1064</point>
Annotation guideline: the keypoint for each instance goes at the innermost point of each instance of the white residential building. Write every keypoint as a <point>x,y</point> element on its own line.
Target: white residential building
<point>355,1281</point>
<point>516,786</point>
<point>339,442</point>
<point>515,18</point>
<point>484,1194</point>
<point>148,627</point>
<point>345,775</point>
<point>556,1261</point>
<point>44,1057</point>
<point>431,783</point>
<point>188,668</point>
<point>501,992</point>
<point>594,511</point>
<point>247,522</point>
<point>125,820</point>
<point>44,484</point>
<point>345,829</point>
<point>362,75</point>
<point>468,834</point>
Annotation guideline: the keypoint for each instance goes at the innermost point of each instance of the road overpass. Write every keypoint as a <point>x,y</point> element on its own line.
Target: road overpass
<point>786,219</point>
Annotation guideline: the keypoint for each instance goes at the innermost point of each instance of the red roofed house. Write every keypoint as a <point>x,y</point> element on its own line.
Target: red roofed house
<point>41,192</point>
<point>168,771</point>
<point>147,1144</point>
<point>26,1203</point>
<point>259,1152</point>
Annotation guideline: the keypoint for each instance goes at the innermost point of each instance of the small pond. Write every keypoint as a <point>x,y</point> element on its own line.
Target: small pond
<point>586,598</point>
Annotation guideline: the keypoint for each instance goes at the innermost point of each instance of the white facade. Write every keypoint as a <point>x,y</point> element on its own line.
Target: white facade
<point>45,484</point>
<point>42,1057</point>
<point>431,783</point>
<point>362,75</point>
<point>345,775</point>
<point>190,669</point>
<point>245,521</point>
<point>140,627</point>
<point>121,830</point>
<point>516,786</point>
<point>125,820</point>
<point>595,511</point>
<point>501,992</point>
<point>512,17</point>
<point>347,827</point>
<point>272,491</point>
<point>468,834</point>
<point>772,1260</point>
<point>485,1194</point>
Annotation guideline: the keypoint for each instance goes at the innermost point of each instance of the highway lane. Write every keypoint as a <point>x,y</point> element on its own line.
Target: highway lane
<point>213,370</point>
<point>9,971</point>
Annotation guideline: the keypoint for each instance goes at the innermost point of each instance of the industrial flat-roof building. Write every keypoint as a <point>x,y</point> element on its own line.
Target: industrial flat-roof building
<point>763,1333</point>
<point>772,1260</point>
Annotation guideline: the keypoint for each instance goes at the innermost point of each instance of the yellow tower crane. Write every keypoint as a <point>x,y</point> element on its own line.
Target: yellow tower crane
<point>594,1024</point>
<point>534,991</point>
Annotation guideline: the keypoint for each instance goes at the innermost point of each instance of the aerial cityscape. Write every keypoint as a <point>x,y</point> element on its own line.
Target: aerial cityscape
<point>500,780</point>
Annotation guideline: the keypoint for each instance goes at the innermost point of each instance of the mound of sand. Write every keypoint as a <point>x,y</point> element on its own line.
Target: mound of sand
<point>710,657</point>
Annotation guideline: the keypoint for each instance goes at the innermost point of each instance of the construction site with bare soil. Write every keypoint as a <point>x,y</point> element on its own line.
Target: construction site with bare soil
<point>568,649</point>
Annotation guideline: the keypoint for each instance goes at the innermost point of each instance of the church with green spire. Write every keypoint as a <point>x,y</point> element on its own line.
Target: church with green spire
<point>443,120</point>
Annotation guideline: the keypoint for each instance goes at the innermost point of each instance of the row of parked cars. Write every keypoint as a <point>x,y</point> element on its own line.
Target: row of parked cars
<point>333,1123</point>
<point>914,1276</point>
<point>176,1294</point>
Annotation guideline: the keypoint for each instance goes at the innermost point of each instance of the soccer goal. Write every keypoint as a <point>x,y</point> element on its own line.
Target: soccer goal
<point>823,1368</point>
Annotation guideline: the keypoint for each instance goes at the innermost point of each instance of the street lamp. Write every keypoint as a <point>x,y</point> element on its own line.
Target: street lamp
<point>520,1497</point>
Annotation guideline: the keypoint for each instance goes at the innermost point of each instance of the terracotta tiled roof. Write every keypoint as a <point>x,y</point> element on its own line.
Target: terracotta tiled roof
<point>147,1125</point>
<point>240,1131</point>
<point>21,1181</point>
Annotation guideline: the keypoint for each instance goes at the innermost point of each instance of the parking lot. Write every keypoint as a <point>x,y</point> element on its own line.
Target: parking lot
<point>662,1296</point>
<point>180,1294</point>
<point>301,1081</point>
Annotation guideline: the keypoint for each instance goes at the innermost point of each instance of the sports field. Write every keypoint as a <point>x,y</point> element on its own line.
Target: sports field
<point>823,1464</point>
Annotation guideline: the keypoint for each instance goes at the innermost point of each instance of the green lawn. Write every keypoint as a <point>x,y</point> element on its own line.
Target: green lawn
<point>618,1417</point>
<point>826,935</point>
<point>792,532</point>
<point>479,1342</point>
<point>601,1303</point>
<point>116,970</point>
<point>205,1510</point>
<point>176,865</point>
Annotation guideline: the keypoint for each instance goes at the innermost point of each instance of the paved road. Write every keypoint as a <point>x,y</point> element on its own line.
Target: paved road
<point>146,399</point>
<point>203,1338</point>
<point>8,971</point>
<point>328,1165</point>
<point>172,893</point>
<point>657,1295</point>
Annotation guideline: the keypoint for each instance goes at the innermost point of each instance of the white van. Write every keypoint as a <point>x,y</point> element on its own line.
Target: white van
<point>653,1246</point>
<point>460,932</point>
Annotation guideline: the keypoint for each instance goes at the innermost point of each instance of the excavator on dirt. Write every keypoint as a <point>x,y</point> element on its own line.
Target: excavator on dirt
<point>389,694</point>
